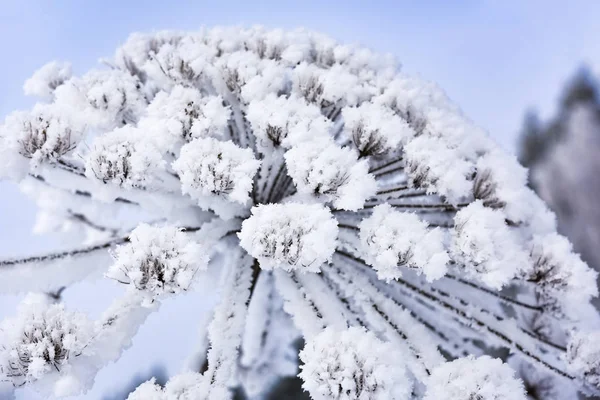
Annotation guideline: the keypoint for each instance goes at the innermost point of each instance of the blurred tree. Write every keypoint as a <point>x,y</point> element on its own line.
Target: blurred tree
<point>564,160</point>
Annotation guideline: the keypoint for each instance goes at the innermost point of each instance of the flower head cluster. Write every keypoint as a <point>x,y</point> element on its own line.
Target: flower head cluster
<point>470,378</point>
<point>290,236</point>
<point>43,338</point>
<point>353,365</point>
<point>158,261</point>
<point>392,239</point>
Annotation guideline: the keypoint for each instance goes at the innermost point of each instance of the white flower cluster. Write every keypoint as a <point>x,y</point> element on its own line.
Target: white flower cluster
<point>286,121</point>
<point>212,171</point>
<point>42,339</point>
<point>393,239</point>
<point>124,158</point>
<point>469,378</point>
<point>353,365</point>
<point>184,114</point>
<point>44,81</point>
<point>332,173</point>
<point>158,261</point>
<point>291,236</point>
<point>486,247</point>
<point>44,134</point>
<point>583,357</point>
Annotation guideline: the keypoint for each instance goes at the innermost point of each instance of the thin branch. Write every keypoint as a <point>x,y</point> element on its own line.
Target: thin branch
<point>63,254</point>
<point>380,167</point>
<point>492,293</point>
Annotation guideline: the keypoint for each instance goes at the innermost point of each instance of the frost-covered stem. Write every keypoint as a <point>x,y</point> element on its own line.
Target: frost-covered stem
<point>504,299</point>
<point>258,319</point>
<point>381,310</point>
<point>389,171</point>
<point>81,218</point>
<point>426,206</point>
<point>80,193</point>
<point>225,330</point>
<point>394,189</point>
<point>307,317</point>
<point>275,190</point>
<point>469,319</point>
<point>333,311</point>
<point>118,325</point>
<point>239,119</point>
<point>64,254</point>
<point>387,164</point>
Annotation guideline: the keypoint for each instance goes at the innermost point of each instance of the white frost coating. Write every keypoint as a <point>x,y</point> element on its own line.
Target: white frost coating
<point>327,171</point>
<point>185,386</point>
<point>430,163</point>
<point>501,183</point>
<point>158,261</point>
<point>485,248</point>
<point>42,339</point>
<point>179,61</point>
<point>560,273</point>
<point>106,98</point>
<point>290,236</point>
<point>46,79</point>
<point>286,121</point>
<point>392,239</point>
<point>583,357</point>
<point>213,170</point>
<point>184,114</point>
<point>374,128</point>
<point>244,84</point>
<point>148,390</point>
<point>353,365</point>
<point>124,157</point>
<point>46,133</point>
<point>470,378</point>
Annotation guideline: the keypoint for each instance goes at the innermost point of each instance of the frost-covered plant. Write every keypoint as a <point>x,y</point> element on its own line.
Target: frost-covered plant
<point>42,339</point>
<point>339,200</point>
<point>353,364</point>
<point>474,378</point>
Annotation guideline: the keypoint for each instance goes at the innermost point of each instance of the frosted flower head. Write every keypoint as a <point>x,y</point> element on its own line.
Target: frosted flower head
<point>353,364</point>
<point>107,98</point>
<point>184,114</point>
<point>285,121</point>
<point>563,279</point>
<point>211,171</point>
<point>158,261</point>
<point>124,158</point>
<point>46,133</point>
<point>391,240</point>
<point>484,247</point>
<point>45,80</point>
<point>471,378</point>
<point>328,172</point>
<point>374,128</point>
<point>583,357</point>
<point>290,236</point>
<point>185,386</point>
<point>43,338</point>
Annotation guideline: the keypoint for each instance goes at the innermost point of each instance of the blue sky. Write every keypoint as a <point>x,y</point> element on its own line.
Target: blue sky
<point>494,58</point>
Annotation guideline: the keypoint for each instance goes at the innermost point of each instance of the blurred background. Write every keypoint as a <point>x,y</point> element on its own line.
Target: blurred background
<point>526,71</point>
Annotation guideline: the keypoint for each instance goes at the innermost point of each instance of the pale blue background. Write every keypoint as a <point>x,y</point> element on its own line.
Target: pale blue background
<point>494,58</point>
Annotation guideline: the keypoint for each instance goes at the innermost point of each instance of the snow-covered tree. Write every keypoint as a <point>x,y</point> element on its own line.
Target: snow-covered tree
<point>565,167</point>
<point>337,199</point>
